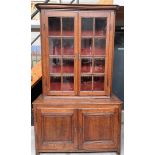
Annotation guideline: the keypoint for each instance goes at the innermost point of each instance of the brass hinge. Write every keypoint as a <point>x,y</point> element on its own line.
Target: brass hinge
<point>44,27</point>
<point>77,56</point>
<point>81,130</point>
<point>107,83</point>
<point>35,116</point>
<point>110,27</point>
<point>75,130</point>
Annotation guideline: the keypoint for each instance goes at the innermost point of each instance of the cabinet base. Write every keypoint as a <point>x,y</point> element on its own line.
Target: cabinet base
<point>117,153</point>
<point>77,125</point>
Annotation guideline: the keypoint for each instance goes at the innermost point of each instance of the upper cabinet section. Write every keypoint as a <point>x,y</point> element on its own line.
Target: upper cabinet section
<point>77,49</point>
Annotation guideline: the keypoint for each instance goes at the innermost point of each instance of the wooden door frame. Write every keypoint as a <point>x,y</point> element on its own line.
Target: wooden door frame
<point>107,60</point>
<point>115,111</point>
<point>45,14</point>
<point>40,113</point>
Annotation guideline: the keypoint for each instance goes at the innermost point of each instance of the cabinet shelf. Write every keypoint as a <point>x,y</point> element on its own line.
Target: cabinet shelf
<point>92,74</point>
<point>94,36</point>
<point>61,36</point>
<point>62,56</point>
<point>63,74</point>
<point>95,56</point>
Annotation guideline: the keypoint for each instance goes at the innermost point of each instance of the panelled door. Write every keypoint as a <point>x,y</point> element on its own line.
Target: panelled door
<point>93,52</point>
<point>77,129</point>
<point>57,129</point>
<point>75,52</point>
<point>98,128</point>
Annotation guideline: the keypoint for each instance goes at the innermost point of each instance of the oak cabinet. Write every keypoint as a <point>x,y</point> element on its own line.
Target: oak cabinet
<point>77,112</point>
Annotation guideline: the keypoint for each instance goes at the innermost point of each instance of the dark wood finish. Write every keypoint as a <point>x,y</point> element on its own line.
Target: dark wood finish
<point>77,121</point>
<point>120,16</point>
<point>76,6</point>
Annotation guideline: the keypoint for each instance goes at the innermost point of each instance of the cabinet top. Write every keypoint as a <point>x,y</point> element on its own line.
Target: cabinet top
<point>76,6</point>
<point>76,100</point>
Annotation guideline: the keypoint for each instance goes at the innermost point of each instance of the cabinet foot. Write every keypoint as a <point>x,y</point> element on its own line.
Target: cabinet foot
<point>37,153</point>
<point>118,153</point>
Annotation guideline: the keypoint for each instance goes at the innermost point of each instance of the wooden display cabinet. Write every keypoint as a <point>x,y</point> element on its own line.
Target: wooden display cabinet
<point>76,112</point>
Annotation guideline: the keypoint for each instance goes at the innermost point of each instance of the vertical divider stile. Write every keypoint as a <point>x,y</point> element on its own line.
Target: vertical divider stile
<point>79,53</point>
<point>93,48</point>
<point>107,39</point>
<point>76,50</point>
<point>61,59</point>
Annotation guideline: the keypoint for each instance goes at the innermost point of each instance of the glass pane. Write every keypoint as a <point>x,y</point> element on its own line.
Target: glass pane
<point>54,26</point>
<point>67,26</point>
<point>68,46</point>
<point>55,65</point>
<point>86,46</point>
<point>68,65</point>
<point>55,83</point>
<point>68,83</point>
<point>99,65</point>
<point>100,46</point>
<point>55,46</point>
<point>98,84</point>
<point>87,26</point>
<point>86,83</point>
<point>86,65</point>
<point>100,26</point>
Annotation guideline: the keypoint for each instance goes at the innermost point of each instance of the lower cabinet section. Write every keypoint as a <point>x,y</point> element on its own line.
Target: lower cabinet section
<point>77,130</point>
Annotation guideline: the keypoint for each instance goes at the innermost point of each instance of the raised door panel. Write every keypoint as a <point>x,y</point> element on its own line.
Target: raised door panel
<point>98,128</point>
<point>57,129</point>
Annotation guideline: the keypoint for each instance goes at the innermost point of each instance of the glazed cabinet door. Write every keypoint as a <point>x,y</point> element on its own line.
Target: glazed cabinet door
<point>98,129</point>
<point>57,129</point>
<point>59,40</point>
<point>93,52</point>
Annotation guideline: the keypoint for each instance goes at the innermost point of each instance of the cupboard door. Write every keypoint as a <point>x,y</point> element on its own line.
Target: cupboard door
<point>60,54</point>
<point>93,52</point>
<point>57,129</point>
<point>98,129</point>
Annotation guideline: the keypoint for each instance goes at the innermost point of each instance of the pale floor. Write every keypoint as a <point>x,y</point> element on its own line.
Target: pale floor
<point>110,153</point>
